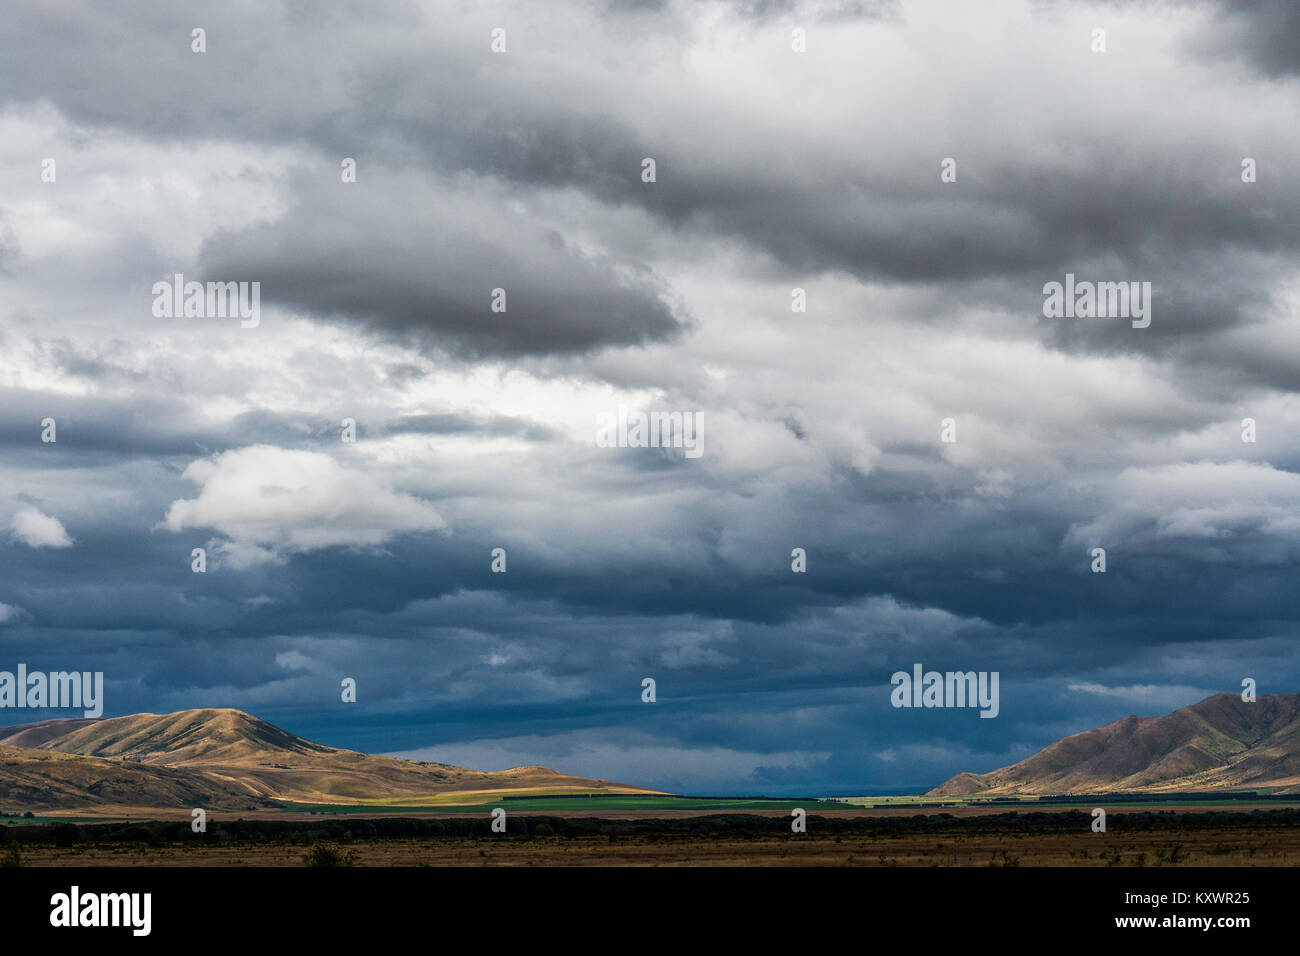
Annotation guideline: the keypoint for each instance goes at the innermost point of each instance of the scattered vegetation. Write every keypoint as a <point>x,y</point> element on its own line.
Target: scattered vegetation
<point>928,827</point>
<point>1059,838</point>
<point>326,854</point>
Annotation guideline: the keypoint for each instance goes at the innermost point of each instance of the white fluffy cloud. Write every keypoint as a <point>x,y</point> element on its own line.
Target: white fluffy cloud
<point>36,529</point>
<point>269,502</point>
<point>1221,504</point>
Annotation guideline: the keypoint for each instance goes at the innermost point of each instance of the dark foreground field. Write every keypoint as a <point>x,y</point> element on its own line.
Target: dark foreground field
<point>1135,839</point>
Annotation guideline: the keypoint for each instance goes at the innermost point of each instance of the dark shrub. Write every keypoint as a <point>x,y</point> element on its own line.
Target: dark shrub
<point>326,854</point>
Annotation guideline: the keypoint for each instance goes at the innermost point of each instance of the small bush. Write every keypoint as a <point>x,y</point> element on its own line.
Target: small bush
<point>325,854</point>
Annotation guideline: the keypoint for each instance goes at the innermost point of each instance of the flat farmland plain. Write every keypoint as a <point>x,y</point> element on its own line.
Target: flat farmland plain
<point>1063,837</point>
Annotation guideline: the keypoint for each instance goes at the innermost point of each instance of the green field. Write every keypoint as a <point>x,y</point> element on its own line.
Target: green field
<point>595,802</point>
<point>654,804</point>
<point>921,801</point>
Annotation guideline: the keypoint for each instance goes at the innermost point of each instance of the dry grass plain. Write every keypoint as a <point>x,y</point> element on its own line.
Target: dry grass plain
<point>1241,846</point>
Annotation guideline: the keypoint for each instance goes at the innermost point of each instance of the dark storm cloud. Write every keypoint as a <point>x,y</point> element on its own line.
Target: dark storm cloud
<point>437,273</point>
<point>111,427</point>
<point>1262,34</point>
<point>356,252</point>
<point>371,254</point>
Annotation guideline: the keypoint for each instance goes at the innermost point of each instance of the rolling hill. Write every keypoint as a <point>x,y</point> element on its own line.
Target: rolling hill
<point>1221,743</point>
<point>228,759</point>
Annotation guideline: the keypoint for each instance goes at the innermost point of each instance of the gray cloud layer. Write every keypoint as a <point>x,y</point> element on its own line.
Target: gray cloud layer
<point>475,428</point>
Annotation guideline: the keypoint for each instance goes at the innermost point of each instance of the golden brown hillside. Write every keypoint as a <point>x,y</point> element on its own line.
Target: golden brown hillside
<point>151,760</point>
<point>1221,743</point>
<point>45,780</point>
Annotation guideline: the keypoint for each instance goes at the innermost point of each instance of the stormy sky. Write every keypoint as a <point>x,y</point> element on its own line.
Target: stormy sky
<point>476,429</point>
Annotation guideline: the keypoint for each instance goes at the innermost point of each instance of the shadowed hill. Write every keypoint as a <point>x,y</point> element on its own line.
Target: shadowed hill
<point>41,780</point>
<point>1220,743</point>
<point>239,758</point>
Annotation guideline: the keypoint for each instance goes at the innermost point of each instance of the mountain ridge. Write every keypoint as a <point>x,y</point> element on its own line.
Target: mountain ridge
<point>1219,743</point>
<point>237,759</point>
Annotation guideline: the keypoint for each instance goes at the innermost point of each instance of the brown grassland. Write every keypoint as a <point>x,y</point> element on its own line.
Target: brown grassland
<point>1133,845</point>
